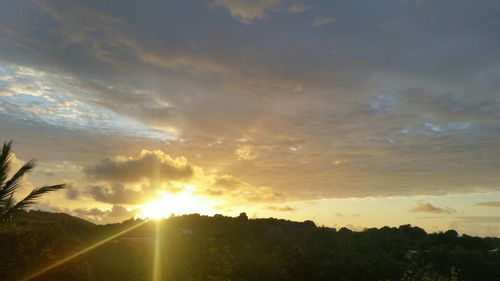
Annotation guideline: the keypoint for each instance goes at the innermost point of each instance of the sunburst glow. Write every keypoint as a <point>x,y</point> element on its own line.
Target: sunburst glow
<point>178,204</point>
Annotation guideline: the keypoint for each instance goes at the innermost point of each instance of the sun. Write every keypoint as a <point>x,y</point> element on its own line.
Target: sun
<point>175,204</point>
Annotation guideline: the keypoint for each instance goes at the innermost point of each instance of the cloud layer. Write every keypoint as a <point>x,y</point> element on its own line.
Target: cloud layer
<point>273,100</point>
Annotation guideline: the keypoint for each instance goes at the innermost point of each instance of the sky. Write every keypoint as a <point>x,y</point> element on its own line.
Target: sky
<point>348,113</point>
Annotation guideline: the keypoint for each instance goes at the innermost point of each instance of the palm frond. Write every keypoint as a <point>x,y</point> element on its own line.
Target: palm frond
<point>33,196</point>
<point>14,182</point>
<point>9,186</point>
<point>5,161</point>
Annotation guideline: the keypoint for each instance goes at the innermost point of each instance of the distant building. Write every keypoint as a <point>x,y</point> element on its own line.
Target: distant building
<point>493,251</point>
<point>186,231</point>
<point>411,254</point>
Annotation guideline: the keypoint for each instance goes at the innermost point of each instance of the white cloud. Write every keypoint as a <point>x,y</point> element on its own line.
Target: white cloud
<point>245,152</point>
<point>298,88</point>
<point>320,21</point>
<point>39,96</point>
<point>297,7</point>
<point>248,10</point>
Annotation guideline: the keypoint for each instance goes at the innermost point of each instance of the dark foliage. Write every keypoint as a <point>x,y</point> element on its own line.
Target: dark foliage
<point>197,247</point>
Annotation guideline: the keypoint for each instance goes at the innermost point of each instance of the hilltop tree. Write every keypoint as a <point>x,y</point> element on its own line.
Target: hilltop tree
<point>8,187</point>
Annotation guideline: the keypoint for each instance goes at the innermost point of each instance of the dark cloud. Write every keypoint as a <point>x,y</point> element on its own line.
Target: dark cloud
<point>103,216</point>
<point>282,209</point>
<point>72,193</point>
<point>429,208</point>
<point>228,182</point>
<point>42,206</point>
<point>93,212</point>
<point>119,211</point>
<point>115,194</point>
<point>227,185</point>
<point>154,166</point>
<point>488,204</point>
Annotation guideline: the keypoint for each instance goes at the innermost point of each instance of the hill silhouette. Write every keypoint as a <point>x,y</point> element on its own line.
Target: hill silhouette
<point>194,247</point>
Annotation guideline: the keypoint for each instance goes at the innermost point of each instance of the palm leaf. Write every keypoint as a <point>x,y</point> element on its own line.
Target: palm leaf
<point>33,196</point>
<point>9,187</point>
<point>5,161</point>
<point>13,184</point>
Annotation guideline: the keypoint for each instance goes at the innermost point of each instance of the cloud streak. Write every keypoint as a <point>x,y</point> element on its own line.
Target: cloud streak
<point>247,10</point>
<point>488,204</point>
<point>423,207</point>
<point>321,21</point>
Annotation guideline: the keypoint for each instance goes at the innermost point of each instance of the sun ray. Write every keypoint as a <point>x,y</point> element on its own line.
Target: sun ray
<point>157,253</point>
<point>72,256</point>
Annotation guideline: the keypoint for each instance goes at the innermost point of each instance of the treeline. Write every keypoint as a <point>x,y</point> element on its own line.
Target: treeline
<point>195,247</point>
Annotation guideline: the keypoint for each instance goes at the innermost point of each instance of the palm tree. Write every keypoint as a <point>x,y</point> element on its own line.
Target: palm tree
<point>8,187</point>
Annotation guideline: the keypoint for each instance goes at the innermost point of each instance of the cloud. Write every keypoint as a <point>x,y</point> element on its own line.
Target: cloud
<point>155,166</point>
<point>321,21</point>
<point>238,190</point>
<point>248,10</point>
<point>93,212</point>
<point>429,208</point>
<point>72,193</point>
<point>246,152</point>
<point>343,215</point>
<point>488,204</point>
<point>479,219</point>
<point>45,97</point>
<point>228,182</point>
<point>282,209</point>
<point>97,215</point>
<point>46,207</point>
<point>119,211</point>
<point>115,194</point>
<point>135,180</point>
<point>298,88</point>
<point>297,7</point>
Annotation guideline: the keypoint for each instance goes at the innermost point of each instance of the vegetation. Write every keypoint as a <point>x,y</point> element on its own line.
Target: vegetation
<point>195,247</point>
<point>8,187</point>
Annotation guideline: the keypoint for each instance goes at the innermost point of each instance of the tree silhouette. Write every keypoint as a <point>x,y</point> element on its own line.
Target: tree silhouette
<point>8,187</point>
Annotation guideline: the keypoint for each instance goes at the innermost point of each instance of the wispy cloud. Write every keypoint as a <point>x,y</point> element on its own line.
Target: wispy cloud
<point>281,209</point>
<point>422,207</point>
<point>39,96</point>
<point>248,10</point>
<point>321,21</point>
<point>488,204</point>
<point>297,7</point>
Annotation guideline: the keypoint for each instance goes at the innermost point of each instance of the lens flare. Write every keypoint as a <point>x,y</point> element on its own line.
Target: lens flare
<point>79,253</point>
<point>157,254</point>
